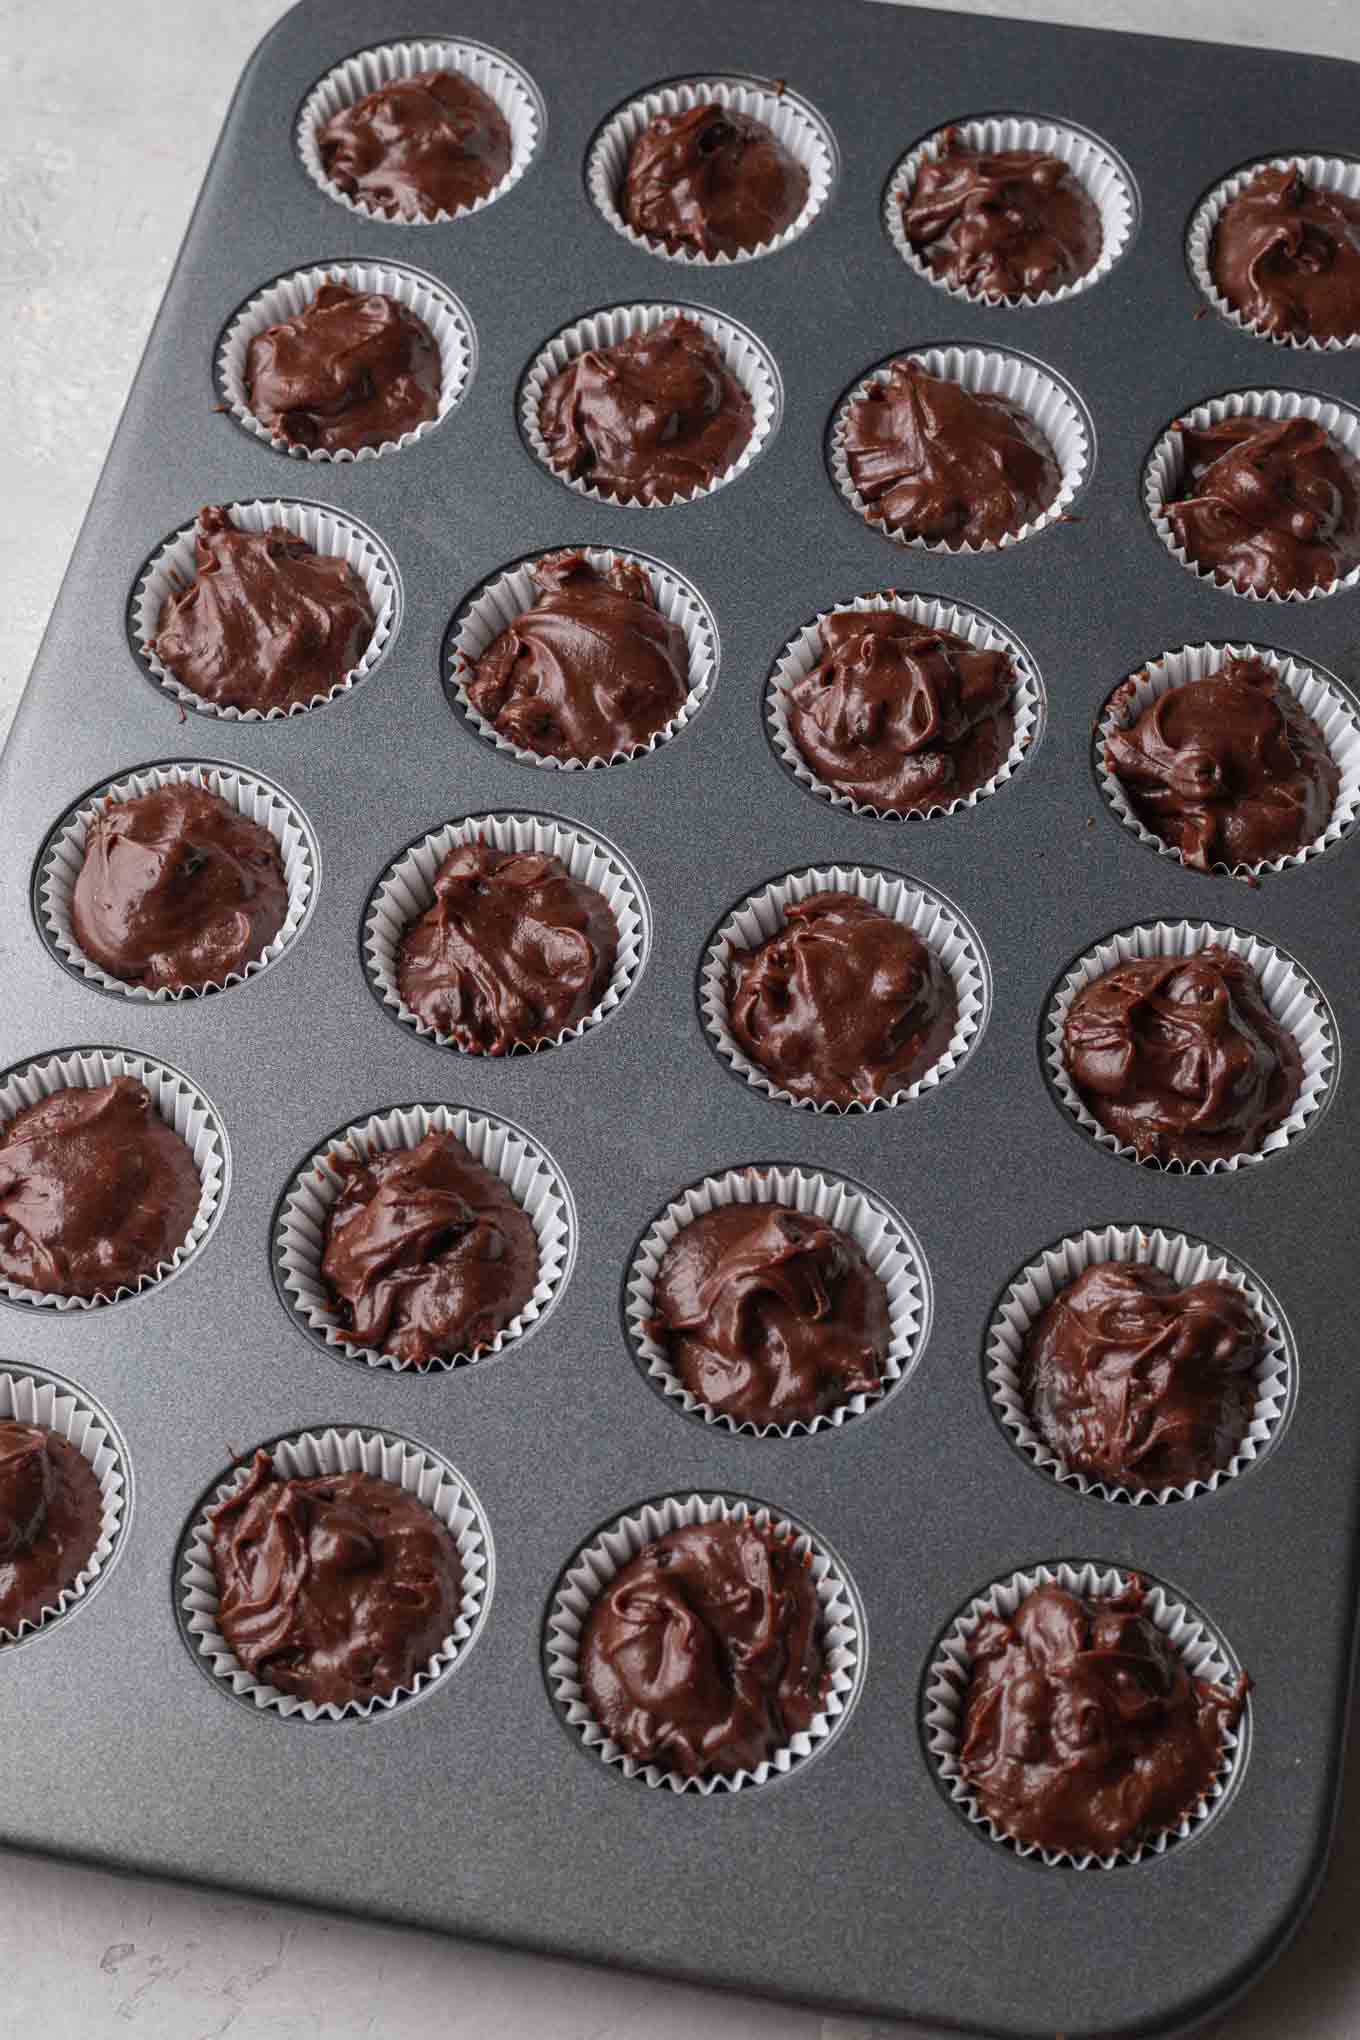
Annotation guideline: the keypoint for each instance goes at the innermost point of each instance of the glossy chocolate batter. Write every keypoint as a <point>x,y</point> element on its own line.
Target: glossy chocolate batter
<point>266,623</point>
<point>426,1255</point>
<point>594,668</point>
<point>51,1514</point>
<point>1286,255</point>
<point>1129,1379</point>
<point>1009,223</point>
<point>337,1588</point>
<point>512,951</point>
<point>649,419</point>
<point>419,146</point>
<point>933,461</point>
<point>1181,1058</point>
<point>769,1315</point>
<point>1083,1730</point>
<point>901,716</point>
<point>1270,507</point>
<point>843,1004</point>
<point>353,369</point>
<point>711,181</point>
<point>1229,770</point>
<point>702,1655</point>
<point>177,889</point>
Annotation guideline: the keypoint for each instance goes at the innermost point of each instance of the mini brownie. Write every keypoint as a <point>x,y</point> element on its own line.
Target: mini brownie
<point>703,1656</point>
<point>1011,223</point>
<point>1267,506</point>
<point>1286,255</point>
<point>712,182</point>
<point>96,1191</point>
<point>266,623</point>
<point>339,1588</point>
<point>769,1315</point>
<point>512,950</point>
<point>51,1514</point>
<point>419,146</point>
<point>352,369</point>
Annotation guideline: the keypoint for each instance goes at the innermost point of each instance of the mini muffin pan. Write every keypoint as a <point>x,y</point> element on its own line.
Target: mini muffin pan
<point>852,1876</point>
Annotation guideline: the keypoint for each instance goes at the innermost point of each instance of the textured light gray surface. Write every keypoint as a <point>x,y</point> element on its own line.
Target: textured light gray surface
<point>90,216</point>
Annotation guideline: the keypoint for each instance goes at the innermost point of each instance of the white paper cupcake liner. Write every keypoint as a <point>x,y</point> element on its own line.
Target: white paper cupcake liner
<point>406,891</point>
<point>1317,692</point>
<point>888,1247</point>
<point>806,650</point>
<point>983,371</point>
<point>431,301</point>
<point>383,1456</point>
<point>790,119</point>
<point>513,92</point>
<point>1203,1653</point>
<point>179,1103</point>
<point>1186,1260</point>
<point>746,359</point>
<point>255,798</point>
<point>1293,999</point>
<point>928,914</point>
<point>172,568</point>
<point>56,1406</point>
<point>496,604</point>
<point>522,1165</point>
<point>1091,163</point>
<point>1165,472</point>
<point>596,1564</point>
<point>1327,173</point>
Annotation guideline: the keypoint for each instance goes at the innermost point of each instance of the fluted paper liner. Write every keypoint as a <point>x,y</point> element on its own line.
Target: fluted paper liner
<point>496,604</point>
<point>431,301</point>
<point>1315,690</point>
<point>522,1165</point>
<point>180,1104</point>
<point>1327,173</point>
<point>1186,1260</point>
<point>988,372</point>
<point>515,96</point>
<point>745,358</point>
<point>251,796</point>
<point>887,1245</point>
<point>55,1405</point>
<point>383,1456</point>
<point>616,1546</point>
<point>807,649</point>
<point>928,914</point>
<point>790,119</point>
<point>1204,1655</point>
<point>406,891</point>
<point>1092,165</point>
<point>1293,1000</point>
<point>172,568</point>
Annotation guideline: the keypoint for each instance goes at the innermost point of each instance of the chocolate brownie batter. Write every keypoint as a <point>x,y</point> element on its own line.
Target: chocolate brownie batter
<point>769,1315</point>
<point>934,461</point>
<point>512,951</point>
<point>426,1253</point>
<point>1129,1379</point>
<point>648,419</point>
<point>702,1655</point>
<point>419,146</point>
<point>843,1004</point>
<point>51,1513</point>
<point>1286,255</point>
<point>1083,1730</point>
<point>1271,507</point>
<point>1009,223</point>
<point>353,369</point>
<point>592,669</point>
<point>339,1588</point>
<point>902,716</point>
<point>1229,770</point>
<point>177,889</point>
<point>1181,1058</point>
<point>266,623</point>
<point>711,181</point>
